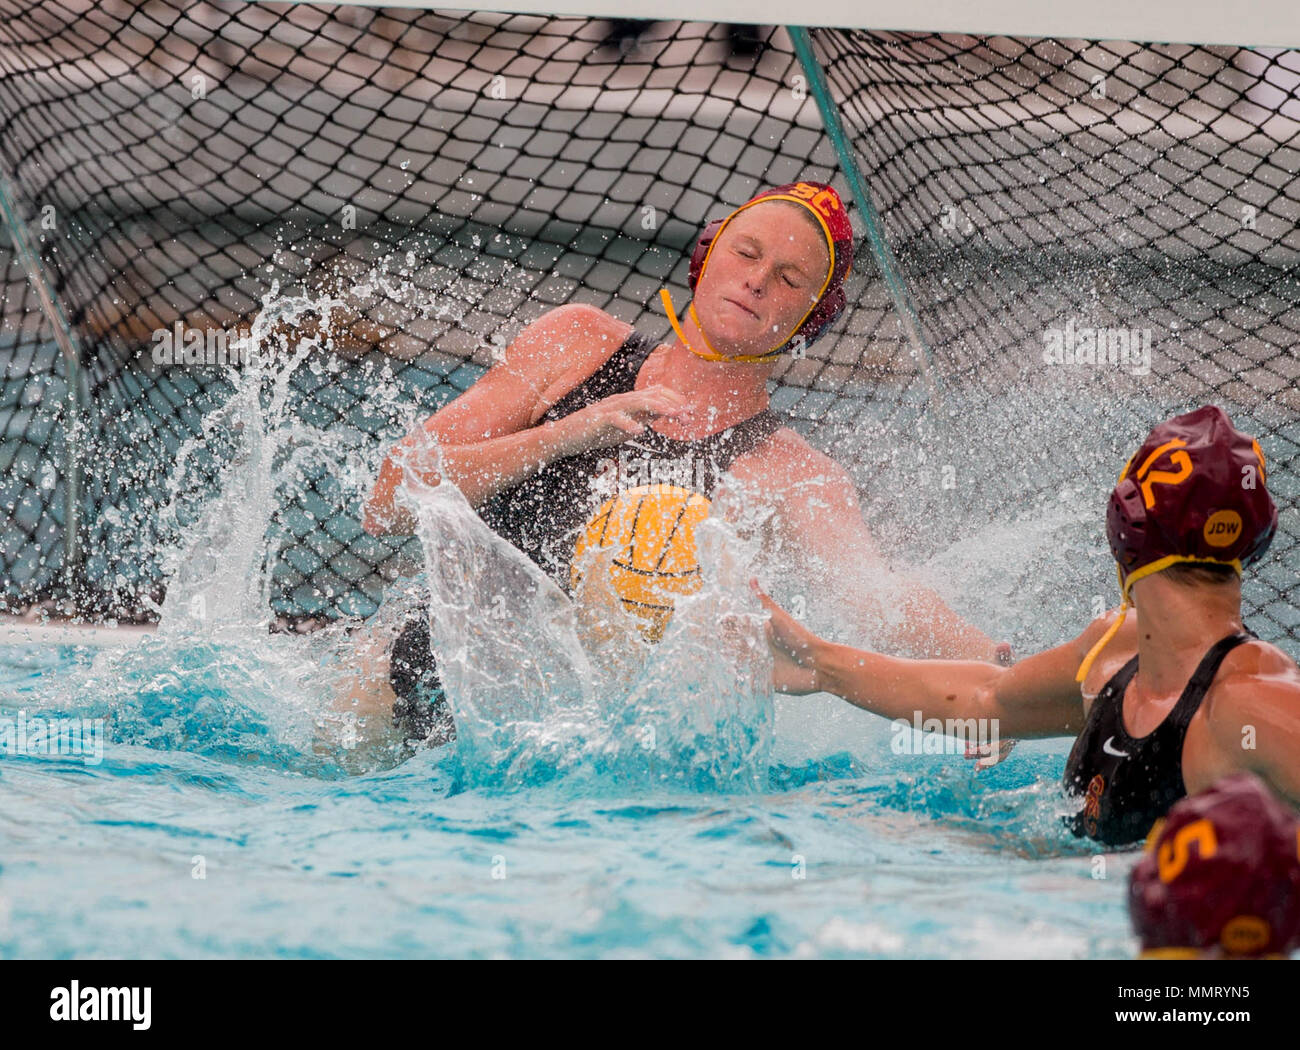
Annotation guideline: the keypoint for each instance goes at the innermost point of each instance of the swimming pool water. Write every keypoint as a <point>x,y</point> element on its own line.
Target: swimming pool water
<point>845,851</point>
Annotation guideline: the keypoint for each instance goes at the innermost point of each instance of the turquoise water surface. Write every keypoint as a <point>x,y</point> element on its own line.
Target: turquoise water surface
<point>839,852</point>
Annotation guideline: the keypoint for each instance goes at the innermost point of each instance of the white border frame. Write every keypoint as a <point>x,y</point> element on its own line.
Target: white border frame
<point>1247,23</point>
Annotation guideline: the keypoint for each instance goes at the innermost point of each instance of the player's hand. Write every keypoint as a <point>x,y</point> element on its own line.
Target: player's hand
<point>784,633</point>
<point>985,756</point>
<point>614,419</point>
<point>792,647</point>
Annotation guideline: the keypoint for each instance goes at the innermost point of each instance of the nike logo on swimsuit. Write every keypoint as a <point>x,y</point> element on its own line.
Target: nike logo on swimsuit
<point>1111,751</point>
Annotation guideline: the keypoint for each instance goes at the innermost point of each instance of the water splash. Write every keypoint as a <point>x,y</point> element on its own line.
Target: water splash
<point>218,578</point>
<point>539,691</point>
<point>214,680</point>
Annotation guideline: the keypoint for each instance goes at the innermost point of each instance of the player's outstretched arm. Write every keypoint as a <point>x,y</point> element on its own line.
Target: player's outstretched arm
<point>1036,697</point>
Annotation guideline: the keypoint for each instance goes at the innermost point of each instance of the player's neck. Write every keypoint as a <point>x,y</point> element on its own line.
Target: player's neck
<point>720,392</point>
<point>1177,624</point>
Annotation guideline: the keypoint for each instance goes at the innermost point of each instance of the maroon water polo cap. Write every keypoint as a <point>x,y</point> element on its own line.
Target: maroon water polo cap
<point>828,209</point>
<point>1194,492</point>
<point>1221,875</point>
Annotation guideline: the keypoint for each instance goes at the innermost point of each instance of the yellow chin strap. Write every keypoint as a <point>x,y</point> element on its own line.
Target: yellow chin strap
<point>1126,587</point>
<point>711,354</point>
<point>1111,631</point>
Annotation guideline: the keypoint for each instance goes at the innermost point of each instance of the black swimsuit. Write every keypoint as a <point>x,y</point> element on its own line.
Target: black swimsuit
<point>543,515</point>
<point>1127,783</point>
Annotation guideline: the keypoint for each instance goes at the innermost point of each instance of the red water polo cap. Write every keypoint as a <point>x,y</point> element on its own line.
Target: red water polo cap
<point>1221,874</point>
<point>1194,492</point>
<point>827,208</point>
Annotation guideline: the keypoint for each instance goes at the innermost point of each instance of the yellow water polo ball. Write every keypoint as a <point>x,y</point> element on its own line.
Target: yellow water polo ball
<point>651,529</point>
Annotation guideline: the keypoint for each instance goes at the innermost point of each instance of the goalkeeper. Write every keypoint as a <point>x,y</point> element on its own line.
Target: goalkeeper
<point>526,443</point>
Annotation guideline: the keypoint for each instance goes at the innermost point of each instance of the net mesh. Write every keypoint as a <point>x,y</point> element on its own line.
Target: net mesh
<point>449,177</point>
